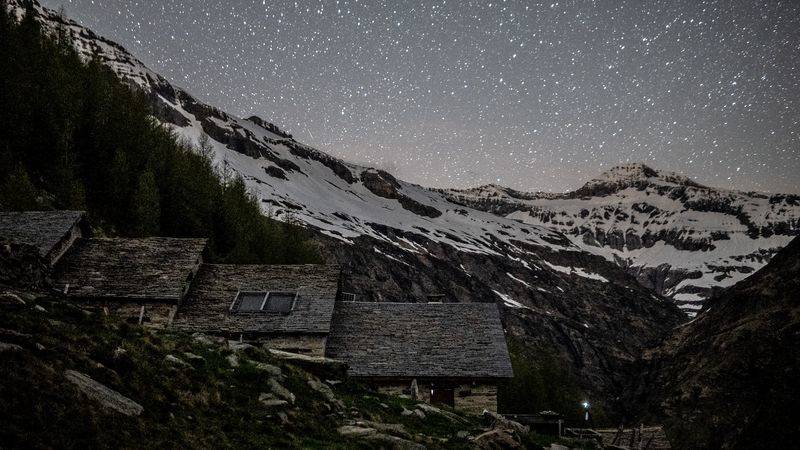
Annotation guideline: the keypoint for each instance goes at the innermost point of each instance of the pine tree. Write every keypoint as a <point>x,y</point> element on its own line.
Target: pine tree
<point>145,206</point>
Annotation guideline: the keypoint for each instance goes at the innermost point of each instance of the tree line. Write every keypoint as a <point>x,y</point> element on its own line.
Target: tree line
<point>76,137</point>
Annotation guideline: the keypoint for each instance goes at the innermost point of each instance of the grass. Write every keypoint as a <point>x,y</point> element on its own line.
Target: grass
<point>207,405</point>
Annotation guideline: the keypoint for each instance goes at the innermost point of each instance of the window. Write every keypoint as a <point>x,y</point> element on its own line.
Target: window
<point>250,301</point>
<point>279,302</point>
<point>347,297</point>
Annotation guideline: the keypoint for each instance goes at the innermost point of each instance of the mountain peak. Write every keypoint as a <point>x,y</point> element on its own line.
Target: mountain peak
<point>628,175</point>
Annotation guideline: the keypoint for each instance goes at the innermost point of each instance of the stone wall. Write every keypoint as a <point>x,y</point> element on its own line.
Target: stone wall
<point>157,315</point>
<point>469,396</point>
<point>307,344</point>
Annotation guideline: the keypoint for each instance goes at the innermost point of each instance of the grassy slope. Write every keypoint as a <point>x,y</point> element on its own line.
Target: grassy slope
<point>210,404</point>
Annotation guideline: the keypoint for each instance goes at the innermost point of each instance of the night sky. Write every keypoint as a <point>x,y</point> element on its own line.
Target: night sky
<point>457,93</point>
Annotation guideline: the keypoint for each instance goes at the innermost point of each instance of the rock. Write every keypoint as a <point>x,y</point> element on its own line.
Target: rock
<point>10,348</point>
<point>202,338</point>
<point>40,347</point>
<point>281,391</point>
<point>270,401</point>
<point>555,446</point>
<point>462,435</point>
<point>172,359</point>
<point>496,440</point>
<point>414,412</point>
<point>40,309</point>
<point>104,395</point>
<point>394,442</point>
<point>383,405</point>
<point>323,367</point>
<point>193,357</point>
<point>498,421</point>
<point>233,360</point>
<point>11,299</point>
<point>355,431</point>
<point>414,390</point>
<point>395,429</point>
<point>268,368</point>
<point>119,352</point>
<point>14,335</point>
<point>326,392</point>
<point>237,346</point>
<point>283,417</point>
<point>434,410</point>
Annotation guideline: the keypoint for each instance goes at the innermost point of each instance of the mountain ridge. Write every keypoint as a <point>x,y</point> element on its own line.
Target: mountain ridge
<point>678,237</point>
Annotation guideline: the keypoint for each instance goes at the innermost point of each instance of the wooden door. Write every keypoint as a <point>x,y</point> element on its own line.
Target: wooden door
<point>443,396</point>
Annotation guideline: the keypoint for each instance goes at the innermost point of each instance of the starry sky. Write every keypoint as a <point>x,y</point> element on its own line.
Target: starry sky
<point>535,96</point>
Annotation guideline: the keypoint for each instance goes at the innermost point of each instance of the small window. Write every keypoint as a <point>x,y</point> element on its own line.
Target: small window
<point>347,297</point>
<point>250,301</point>
<point>280,302</point>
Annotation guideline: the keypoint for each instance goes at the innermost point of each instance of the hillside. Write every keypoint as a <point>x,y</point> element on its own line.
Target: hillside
<point>728,379</point>
<point>674,235</point>
<point>74,377</point>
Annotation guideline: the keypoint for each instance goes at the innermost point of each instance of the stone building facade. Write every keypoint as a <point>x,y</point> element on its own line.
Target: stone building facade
<point>142,280</point>
<point>449,353</point>
<point>286,307</point>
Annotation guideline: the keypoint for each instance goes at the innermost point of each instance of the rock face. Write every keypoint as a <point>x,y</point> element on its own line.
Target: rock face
<point>674,235</point>
<point>729,378</point>
<point>102,394</point>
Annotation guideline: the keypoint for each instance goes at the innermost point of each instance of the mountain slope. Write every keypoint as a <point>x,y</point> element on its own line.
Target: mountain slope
<point>729,378</point>
<point>400,242</point>
<point>676,236</point>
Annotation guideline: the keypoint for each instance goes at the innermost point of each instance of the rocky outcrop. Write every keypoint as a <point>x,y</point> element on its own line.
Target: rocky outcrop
<point>104,395</point>
<point>727,379</point>
<point>385,185</point>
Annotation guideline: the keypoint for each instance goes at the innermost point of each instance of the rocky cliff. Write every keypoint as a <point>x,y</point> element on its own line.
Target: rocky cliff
<point>728,379</point>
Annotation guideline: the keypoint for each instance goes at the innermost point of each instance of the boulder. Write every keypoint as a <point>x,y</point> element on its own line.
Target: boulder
<point>10,348</point>
<point>104,395</point>
<point>326,392</point>
<point>434,410</point>
<point>174,360</point>
<point>393,442</point>
<point>268,368</point>
<point>270,401</point>
<point>494,420</point>
<point>496,440</point>
<point>280,391</point>
<point>318,365</point>
<point>233,360</point>
<point>355,431</point>
<point>395,429</point>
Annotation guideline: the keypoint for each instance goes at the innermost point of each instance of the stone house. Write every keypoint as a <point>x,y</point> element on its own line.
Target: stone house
<point>141,279</point>
<point>287,307</point>
<point>448,353</point>
<point>51,232</point>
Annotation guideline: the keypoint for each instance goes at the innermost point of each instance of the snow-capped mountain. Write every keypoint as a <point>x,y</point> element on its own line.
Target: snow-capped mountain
<point>401,242</point>
<point>676,236</point>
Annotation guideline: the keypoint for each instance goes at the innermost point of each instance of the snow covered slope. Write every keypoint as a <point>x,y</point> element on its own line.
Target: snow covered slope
<point>676,236</point>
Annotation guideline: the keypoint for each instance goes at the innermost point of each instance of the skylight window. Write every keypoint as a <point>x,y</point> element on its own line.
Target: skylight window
<point>276,302</point>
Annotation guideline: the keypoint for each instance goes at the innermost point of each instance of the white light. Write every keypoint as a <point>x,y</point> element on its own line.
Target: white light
<point>585,404</point>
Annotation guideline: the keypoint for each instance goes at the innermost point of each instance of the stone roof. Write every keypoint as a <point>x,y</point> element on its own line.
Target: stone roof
<point>43,229</point>
<point>420,340</point>
<point>155,268</point>
<point>207,306</point>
